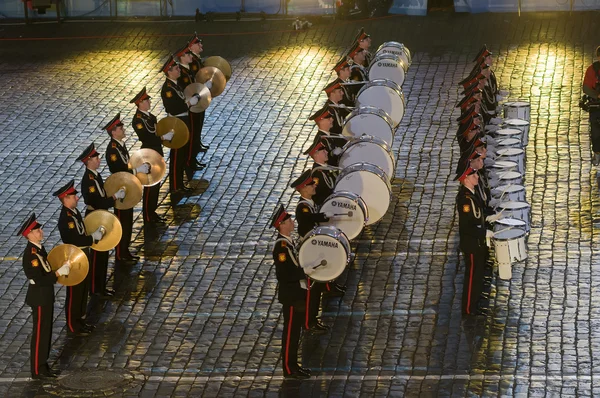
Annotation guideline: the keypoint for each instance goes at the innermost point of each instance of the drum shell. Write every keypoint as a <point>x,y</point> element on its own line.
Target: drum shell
<point>369,149</point>
<point>514,194</point>
<point>343,201</point>
<point>505,133</point>
<point>516,155</point>
<point>509,246</point>
<point>369,120</point>
<point>388,66</point>
<point>519,124</point>
<point>312,250</point>
<point>399,49</point>
<point>517,110</point>
<point>523,212</point>
<point>497,167</point>
<point>383,94</point>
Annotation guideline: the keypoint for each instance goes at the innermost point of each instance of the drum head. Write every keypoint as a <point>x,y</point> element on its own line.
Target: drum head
<point>385,98</point>
<point>507,132</point>
<point>511,222</point>
<point>516,122</point>
<point>503,164</point>
<point>369,123</point>
<point>350,211</point>
<point>509,175</point>
<point>388,66</point>
<point>368,151</point>
<point>520,104</point>
<point>398,49</point>
<point>508,188</point>
<point>508,142</point>
<point>510,152</point>
<point>374,189</point>
<point>512,205</point>
<point>509,234</point>
<point>328,250</point>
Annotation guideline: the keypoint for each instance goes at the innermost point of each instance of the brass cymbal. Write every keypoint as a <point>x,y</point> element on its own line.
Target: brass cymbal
<point>216,78</point>
<point>78,262</point>
<point>112,227</point>
<point>203,93</point>
<point>177,126</point>
<point>133,189</point>
<point>158,166</point>
<point>220,63</point>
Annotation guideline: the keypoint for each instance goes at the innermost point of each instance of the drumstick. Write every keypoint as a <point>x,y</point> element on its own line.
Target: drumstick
<point>322,263</point>
<point>349,214</point>
<point>501,196</point>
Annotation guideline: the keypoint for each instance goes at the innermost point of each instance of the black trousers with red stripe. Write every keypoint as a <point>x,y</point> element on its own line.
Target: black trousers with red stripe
<point>98,271</point>
<point>77,299</point>
<point>292,325</point>
<point>313,302</point>
<point>41,338</point>
<point>475,263</point>
<point>178,161</point>
<point>196,124</point>
<point>126,219</point>
<point>150,202</point>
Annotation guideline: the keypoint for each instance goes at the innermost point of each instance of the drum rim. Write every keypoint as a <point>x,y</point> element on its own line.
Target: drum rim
<point>512,163</point>
<point>517,131</point>
<point>522,235</point>
<point>360,202</point>
<point>355,167</point>
<point>516,122</point>
<point>522,188</point>
<point>394,57</point>
<point>500,221</point>
<point>511,148</point>
<point>375,111</point>
<point>513,104</point>
<point>528,206</point>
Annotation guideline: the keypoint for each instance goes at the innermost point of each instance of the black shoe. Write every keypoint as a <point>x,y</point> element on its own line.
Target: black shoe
<point>44,376</point>
<point>109,292</point>
<point>200,166</point>
<point>318,329</point>
<point>335,290</point>
<point>53,374</point>
<point>86,329</point>
<point>204,146</point>
<point>133,257</point>
<point>305,370</point>
<point>298,375</point>
<point>159,218</point>
<point>89,326</point>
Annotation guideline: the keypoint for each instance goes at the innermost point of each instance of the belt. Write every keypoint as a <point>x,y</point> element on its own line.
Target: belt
<point>179,115</point>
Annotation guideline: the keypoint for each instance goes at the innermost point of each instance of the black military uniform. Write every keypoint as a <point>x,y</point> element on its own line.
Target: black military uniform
<point>117,158</point>
<point>175,104</point>
<point>362,35</point>
<point>342,64</point>
<point>94,195</point>
<point>339,113</point>
<point>472,231</point>
<point>292,284</point>
<point>334,142</point>
<point>72,232</point>
<point>322,175</point>
<point>144,124</point>
<point>197,117</point>
<point>40,297</point>
<point>357,72</point>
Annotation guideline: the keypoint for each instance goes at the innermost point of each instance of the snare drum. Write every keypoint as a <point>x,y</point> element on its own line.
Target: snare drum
<point>516,155</point>
<point>369,120</point>
<point>519,124</point>
<point>508,143</point>
<point>500,166</point>
<point>517,110</point>
<point>512,192</point>
<point>371,184</point>
<point>509,246</point>
<point>369,149</point>
<point>327,249</point>
<point>518,210</point>
<point>385,95</point>
<point>398,49</point>
<point>506,178</point>
<point>505,223</point>
<point>351,212</point>
<point>388,66</point>
<point>507,133</point>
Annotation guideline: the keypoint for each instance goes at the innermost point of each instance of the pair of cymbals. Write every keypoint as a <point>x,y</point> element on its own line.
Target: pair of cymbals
<point>78,262</point>
<point>158,166</point>
<point>177,126</point>
<point>111,226</point>
<point>200,91</point>
<point>219,63</point>
<point>215,77</point>
<point>130,183</point>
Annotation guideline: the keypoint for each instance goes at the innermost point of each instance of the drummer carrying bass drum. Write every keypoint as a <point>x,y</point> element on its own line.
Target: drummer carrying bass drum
<point>591,88</point>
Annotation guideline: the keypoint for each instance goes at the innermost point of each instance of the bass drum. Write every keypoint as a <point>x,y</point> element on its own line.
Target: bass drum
<point>351,213</point>
<point>368,120</point>
<point>388,66</point>
<point>324,253</point>
<point>398,49</point>
<point>371,184</point>
<point>369,149</point>
<point>385,95</point>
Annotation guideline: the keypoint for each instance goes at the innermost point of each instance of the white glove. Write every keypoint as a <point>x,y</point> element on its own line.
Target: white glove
<point>144,168</point>
<point>194,100</point>
<point>488,237</point>
<point>168,137</point>
<point>499,98</point>
<point>120,194</point>
<point>64,270</point>
<point>496,120</point>
<point>208,84</point>
<point>328,214</point>
<point>98,234</point>
<point>336,151</point>
<point>303,284</point>
<point>492,129</point>
<point>493,218</point>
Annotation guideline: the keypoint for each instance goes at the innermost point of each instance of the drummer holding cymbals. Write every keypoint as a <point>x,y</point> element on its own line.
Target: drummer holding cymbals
<point>40,295</point>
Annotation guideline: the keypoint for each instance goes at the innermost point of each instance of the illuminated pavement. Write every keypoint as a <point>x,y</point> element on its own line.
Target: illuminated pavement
<point>198,316</point>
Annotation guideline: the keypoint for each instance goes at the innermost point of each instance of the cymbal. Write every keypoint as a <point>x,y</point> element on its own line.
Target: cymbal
<point>112,226</point>
<point>176,125</point>
<point>133,189</point>
<point>80,265</point>
<point>158,166</point>
<point>219,63</point>
<point>215,76</point>
<point>204,94</point>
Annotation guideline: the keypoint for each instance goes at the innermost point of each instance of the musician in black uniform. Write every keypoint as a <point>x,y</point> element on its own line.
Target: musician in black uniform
<point>292,285</point>
<point>175,105</point>
<point>144,124</point>
<point>324,120</point>
<point>335,97</point>
<point>473,233</point>
<point>342,69</point>
<point>72,232</point>
<point>591,88</point>
<point>94,195</point>
<point>40,296</point>
<point>363,39</point>
<point>117,158</point>
<point>196,47</point>
<point>357,71</point>
<point>322,175</point>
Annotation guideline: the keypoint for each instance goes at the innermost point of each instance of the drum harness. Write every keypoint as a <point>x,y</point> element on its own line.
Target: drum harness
<point>328,181</point>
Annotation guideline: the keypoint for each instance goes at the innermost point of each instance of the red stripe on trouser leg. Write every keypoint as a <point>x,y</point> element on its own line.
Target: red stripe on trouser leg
<point>70,309</point>
<point>94,273</point>
<point>328,287</point>
<point>191,141</point>
<point>287,342</point>
<point>118,251</point>
<point>37,340</point>
<point>307,317</point>
<point>146,198</point>
<point>470,285</point>
<point>174,153</point>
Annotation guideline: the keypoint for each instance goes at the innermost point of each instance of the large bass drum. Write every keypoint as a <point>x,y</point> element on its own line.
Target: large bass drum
<point>388,66</point>
<point>368,120</point>
<point>398,49</point>
<point>383,94</point>
<point>349,210</point>
<point>368,149</point>
<point>324,253</point>
<point>371,184</point>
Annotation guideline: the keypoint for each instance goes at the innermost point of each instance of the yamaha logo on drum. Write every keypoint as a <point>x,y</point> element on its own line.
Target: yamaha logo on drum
<point>386,64</point>
<point>316,242</point>
<point>343,205</point>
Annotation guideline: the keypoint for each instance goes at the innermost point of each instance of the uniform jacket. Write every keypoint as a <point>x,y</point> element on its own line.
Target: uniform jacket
<point>38,270</point>
<point>196,64</point>
<point>471,220</point>
<point>186,78</point>
<point>289,273</point>
<point>307,217</point>
<point>117,157</point>
<point>145,128</point>
<point>325,181</point>
<point>173,98</point>
<point>339,115</point>
<point>94,195</point>
<point>72,229</point>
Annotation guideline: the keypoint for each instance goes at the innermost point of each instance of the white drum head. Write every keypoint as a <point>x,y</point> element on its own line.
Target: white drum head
<point>397,49</point>
<point>507,132</point>
<point>369,123</point>
<point>510,152</point>
<point>509,234</point>
<point>511,205</point>
<point>350,211</point>
<point>516,122</point>
<point>508,142</point>
<point>388,66</point>
<point>383,97</point>
<point>368,150</point>
<point>325,249</point>
<point>508,188</point>
<point>511,222</point>
<point>503,164</point>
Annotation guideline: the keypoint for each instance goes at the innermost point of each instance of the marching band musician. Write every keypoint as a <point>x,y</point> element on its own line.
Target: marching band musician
<point>187,77</point>
<point>144,124</point>
<point>335,97</point>
<point>357,71</point>
<point>195,46</point>
<point>117,158</point>
<point>591,88</point>
<point>292,293</point>
<point>72,232</point>
<point>342,69</point>
<point>364,41</point>
<point>175,105</point>
<point>324,121</point>
<point>321,173</point>
<point>485,56</point>
<point>40,295</point>
<point>94,196</point>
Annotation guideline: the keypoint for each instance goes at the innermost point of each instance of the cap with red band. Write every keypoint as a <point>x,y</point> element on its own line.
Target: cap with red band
<point>114,123</point>
<point>88,153</point>
<point>29,225</point>
<point>279,216</point>
<point>342,63</point>
<point>169,64</point>
<point>68,189</point>
<point>316,146</point>
<point>355,50</point>
<point>321,114</point>
<point>141,96</point>
<point>334,85</point>
<point>304,180</point>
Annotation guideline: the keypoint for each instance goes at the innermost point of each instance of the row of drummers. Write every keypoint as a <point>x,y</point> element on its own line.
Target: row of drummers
<point>491,172</point>
<point>347,188</point>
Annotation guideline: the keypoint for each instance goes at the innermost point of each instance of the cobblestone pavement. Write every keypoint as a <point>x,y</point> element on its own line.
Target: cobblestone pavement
<point>198,316</point>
